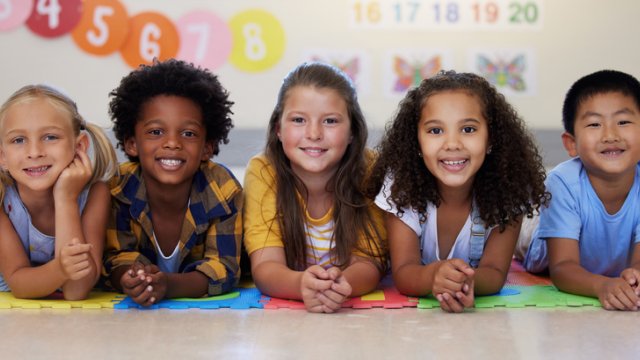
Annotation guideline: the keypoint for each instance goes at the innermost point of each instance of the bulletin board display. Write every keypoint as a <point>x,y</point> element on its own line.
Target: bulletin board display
<point>462,15</point>
<point>252,40</point>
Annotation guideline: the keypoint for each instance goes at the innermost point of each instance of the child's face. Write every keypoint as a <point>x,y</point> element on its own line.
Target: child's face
<point>170,140</point>
<point>453,136</point>
<point>38,143</point>
<point>606,135</point>
<point>314,130</point>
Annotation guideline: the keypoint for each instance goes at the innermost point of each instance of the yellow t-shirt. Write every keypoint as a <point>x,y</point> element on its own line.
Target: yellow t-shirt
<point>261,227</point>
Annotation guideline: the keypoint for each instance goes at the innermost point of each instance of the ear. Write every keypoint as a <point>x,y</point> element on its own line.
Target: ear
<point>82,142</point>
<point>130,147</point>
<point>207,151</point>
<point>569,142</point>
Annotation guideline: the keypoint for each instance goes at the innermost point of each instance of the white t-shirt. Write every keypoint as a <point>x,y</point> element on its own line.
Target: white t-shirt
<point>427,232</point>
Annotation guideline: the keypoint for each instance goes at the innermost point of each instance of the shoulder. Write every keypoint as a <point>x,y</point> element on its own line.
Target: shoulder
<point>212,175</point>
<point>567,172</point>
<point>125,183</point>
<point>259,170</point>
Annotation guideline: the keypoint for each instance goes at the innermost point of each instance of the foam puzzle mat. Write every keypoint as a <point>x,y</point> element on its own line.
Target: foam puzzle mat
<point>522,289</point>
<point>96,300</point>
<point>517,296</point>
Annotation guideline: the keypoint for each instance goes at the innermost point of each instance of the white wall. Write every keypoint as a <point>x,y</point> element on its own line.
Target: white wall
<point>577,37</point>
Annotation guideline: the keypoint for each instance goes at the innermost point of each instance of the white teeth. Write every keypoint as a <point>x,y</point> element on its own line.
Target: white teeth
<point>457,162</point>
<point>170,162</point>
<point>39,169</point>
<point>313,150</point>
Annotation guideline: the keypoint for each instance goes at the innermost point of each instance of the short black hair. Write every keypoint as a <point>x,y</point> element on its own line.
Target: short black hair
<point>599,82</point>
<point>174,78</point>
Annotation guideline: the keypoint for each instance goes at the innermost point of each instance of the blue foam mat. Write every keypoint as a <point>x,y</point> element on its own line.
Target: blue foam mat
<point>240,298</point>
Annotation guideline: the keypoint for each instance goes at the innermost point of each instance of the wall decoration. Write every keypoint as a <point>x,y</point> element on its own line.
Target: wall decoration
<point>258,40</point>
<point>14,13</point>
<point>355,63</point>
<point>405,69</point>
<point>511,71</point>
<point>103,28</point>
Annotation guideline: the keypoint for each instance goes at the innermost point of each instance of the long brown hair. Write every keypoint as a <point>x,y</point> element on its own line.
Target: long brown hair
<point>350,207</point>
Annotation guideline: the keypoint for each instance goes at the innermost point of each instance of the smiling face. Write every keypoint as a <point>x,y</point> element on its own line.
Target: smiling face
<point>38,143</point>
<point>606,135</point>
<point>315,131</point>
<point>169,140</point>
<point>453,136</point>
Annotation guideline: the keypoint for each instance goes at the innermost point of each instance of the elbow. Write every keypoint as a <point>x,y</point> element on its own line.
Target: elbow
<point>76,295</point>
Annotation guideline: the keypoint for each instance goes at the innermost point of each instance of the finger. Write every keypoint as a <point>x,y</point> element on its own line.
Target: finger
<point>466,300</point>
<point>452,303</point>
<point>342,286</point>
<point>615,303</point>
<point>443,304</point>
<point>329,303</point>
<point>318,272</point>
<point>77,249</point>
<point>334,296</point>
<point>79,274</point>
<point>143,297</point>
<point>627,297</point>
<point>334,273</point>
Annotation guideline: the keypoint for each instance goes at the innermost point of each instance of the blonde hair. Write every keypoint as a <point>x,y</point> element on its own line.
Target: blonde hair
<point>104,157</point>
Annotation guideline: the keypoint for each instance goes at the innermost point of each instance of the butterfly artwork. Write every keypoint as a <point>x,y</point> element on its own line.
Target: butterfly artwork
<point>411,74</point>
<point>503,73</point>
<point>350,67</point>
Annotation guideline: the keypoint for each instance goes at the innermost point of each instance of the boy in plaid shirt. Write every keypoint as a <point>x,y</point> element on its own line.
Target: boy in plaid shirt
<point>176,223</point>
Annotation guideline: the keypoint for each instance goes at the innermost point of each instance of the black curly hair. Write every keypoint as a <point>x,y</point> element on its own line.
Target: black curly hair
<point>599,82</point>
<point>510,182</point>
<point>177,78</point>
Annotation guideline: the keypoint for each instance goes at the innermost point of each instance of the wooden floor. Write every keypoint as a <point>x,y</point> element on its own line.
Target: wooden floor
<point>499,333</point>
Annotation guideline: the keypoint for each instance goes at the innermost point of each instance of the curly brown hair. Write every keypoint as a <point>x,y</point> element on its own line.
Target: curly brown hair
<point>510,182</point>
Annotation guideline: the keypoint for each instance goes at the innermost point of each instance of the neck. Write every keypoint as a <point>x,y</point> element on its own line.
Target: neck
<point>612,191</point>
<point>36,201</point>
<point>460,196</point>
<point>168,197</point>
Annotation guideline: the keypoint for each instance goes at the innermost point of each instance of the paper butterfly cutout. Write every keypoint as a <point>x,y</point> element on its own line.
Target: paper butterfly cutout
<point>409,75</point>
<point>350,67</point>
<point>503,73</point>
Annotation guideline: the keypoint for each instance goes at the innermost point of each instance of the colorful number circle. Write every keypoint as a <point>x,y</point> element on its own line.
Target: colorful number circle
<point>103,27</point>
<point>151,35</point>
<point>13,13</point>
<point>258,40</point>
<point>205,39</point>
<point>53,18</point>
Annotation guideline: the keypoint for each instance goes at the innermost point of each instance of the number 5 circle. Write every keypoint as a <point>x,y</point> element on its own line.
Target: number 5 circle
<point>103,27</point>
<point>258,40</point>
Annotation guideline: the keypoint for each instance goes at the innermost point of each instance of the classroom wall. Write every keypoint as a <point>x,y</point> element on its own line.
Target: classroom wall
<point>563,41</point>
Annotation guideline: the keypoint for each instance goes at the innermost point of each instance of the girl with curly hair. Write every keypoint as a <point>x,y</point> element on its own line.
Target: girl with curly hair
<point>457,171</point>
<point>308,228</point>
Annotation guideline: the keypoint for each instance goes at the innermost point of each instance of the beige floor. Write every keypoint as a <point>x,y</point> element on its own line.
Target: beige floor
<point>530,333</point>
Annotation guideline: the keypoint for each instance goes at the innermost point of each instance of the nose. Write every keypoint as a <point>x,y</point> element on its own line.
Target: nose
<point>313,130</point>
<point>172,141</point>
<point>610,133</point>
<point>452,141</point>
<point>35,150</point>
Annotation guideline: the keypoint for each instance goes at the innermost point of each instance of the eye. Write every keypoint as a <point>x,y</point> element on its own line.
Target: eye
<point>50,137</point>
<point>297,120</point>
<point>189,133</point>
<point>155,132</point>
<point>468,129</point>
<point>624,122</point>
<point>18,140</point>
<point>331,121</point>
<point>435,131</point>
<point>593,125</point>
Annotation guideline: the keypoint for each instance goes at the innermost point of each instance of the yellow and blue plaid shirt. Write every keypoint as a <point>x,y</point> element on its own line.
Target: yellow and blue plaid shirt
<point>211,234</point>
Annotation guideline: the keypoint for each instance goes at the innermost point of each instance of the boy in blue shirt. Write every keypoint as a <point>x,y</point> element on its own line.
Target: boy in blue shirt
<point>592,225</point>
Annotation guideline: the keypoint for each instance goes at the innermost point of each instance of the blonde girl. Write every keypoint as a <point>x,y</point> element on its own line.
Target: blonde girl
<point>56,206</point>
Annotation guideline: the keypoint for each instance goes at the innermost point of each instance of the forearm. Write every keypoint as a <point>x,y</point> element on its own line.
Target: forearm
<point>79,289</point>
<point>276,279</point>
<point>67,224</point>
<point>363,276</point>
<point>36,282</point>
<point>193,284</point>
<point>488,280</point>
<point>573,278</point>
<point>415,279</point>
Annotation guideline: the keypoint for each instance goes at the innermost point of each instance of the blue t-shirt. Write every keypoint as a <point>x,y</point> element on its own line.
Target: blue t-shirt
<point>575,212</point>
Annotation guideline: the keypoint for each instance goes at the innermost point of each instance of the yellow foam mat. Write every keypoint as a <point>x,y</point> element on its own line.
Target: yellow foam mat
<point>96,300</point>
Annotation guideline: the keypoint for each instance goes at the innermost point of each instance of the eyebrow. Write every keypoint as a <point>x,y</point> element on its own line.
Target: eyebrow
<point>44,129</point>
<point>461,121</point>
<point>623,111</point>
<point>184,122</point>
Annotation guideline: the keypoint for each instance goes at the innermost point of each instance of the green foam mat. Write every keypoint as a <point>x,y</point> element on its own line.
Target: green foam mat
<point>522,296</point>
